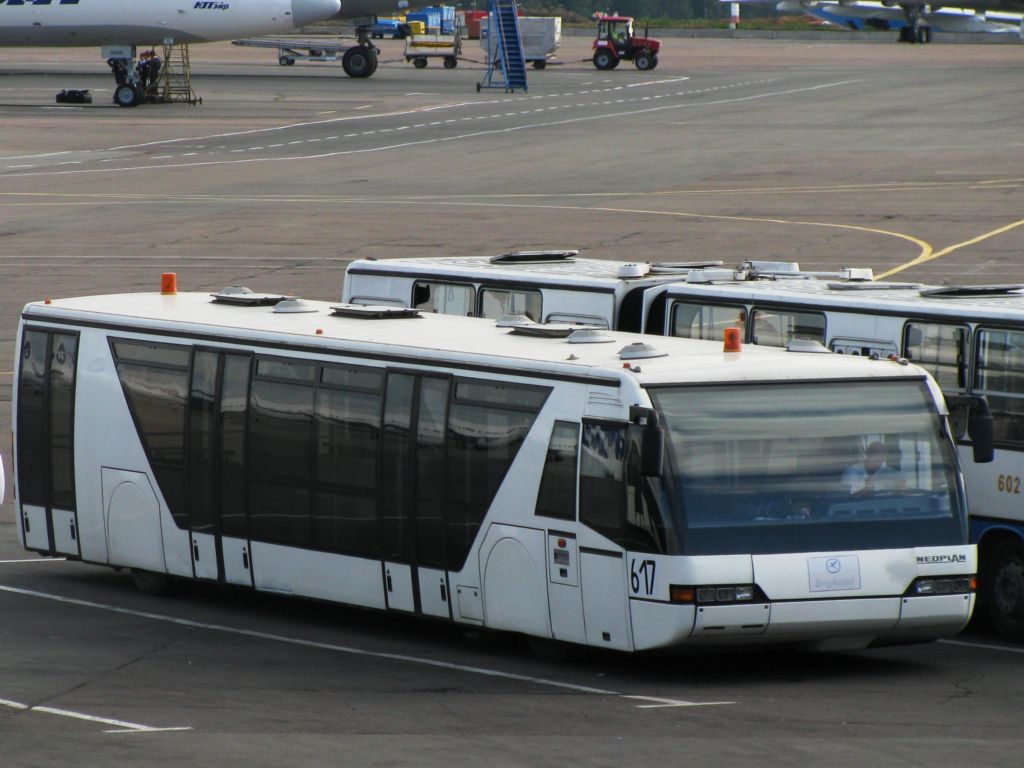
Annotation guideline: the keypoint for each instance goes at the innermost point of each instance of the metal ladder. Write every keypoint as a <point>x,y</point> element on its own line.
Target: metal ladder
<point>174,82</point>
<point>503,26</point>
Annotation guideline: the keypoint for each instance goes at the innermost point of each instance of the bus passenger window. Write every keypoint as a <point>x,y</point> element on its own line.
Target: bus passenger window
<point>705,321</point>
<point>495,302</point>
<point>773,328</point>
<point>602,478</point>
<point>443,298</point>
<point>1000,377</point>
<point>557,495</point>
<point>939,349</point>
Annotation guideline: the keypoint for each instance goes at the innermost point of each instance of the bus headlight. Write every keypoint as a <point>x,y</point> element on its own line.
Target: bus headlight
<point>950,585</point>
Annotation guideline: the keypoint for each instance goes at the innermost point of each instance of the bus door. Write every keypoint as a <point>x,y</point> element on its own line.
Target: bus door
<point>412,494</point>
<point>218,526</point>
<point>45,424</point>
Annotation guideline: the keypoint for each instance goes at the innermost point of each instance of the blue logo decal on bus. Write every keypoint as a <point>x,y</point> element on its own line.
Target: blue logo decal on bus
<point>206,5</point>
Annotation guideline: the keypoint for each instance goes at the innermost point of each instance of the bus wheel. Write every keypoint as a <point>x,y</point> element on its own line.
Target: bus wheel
<point>149,583</point>
<point>548,650</point>
<point>1004,589</point>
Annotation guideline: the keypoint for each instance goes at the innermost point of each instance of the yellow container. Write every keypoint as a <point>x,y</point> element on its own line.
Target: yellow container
<point>417,27</point>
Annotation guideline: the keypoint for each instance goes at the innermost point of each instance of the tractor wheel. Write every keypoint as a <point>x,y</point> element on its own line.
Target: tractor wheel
<point>604,59</point>
<point>359,61</point>
<point>654,60</point>
<point>644,61</point>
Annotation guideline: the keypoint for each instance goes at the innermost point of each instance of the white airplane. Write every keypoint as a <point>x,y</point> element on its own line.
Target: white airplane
<point>118,26</point>
<point>914,19</point>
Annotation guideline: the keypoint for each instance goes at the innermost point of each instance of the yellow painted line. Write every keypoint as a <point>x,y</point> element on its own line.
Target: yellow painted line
<point>926,257</point>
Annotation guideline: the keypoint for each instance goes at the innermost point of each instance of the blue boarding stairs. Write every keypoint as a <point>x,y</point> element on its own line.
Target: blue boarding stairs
<point>507,67</point>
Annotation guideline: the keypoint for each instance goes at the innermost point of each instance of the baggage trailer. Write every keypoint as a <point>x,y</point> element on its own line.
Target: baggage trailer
<point>541,36</point>
<point>420,48</point>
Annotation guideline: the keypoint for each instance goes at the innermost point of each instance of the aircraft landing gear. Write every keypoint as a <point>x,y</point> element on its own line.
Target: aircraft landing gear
<point>915,31</point>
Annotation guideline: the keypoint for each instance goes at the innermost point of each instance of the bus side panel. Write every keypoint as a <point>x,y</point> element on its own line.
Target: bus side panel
<point>322,575</point>
<point>660,625</point>
<point>994,490</point>
<point>104,463</point>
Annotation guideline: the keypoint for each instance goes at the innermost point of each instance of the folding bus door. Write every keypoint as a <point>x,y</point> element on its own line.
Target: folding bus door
<point>45,426</point>
<point>218,398</point>
<point>412,494</point>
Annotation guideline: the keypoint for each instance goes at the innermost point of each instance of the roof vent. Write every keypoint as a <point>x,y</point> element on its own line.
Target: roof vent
<point>675,267</point>
<point>535,257</point>
<point>545,331</point>
<point>711,276</point>
<point>872,286</point>
<point>640,350</point>
<point>807,345</point>
<point>514,321</point>
<point>762,268</point>
<point>633,270</point>
<point>371,312</point>
<point>293,305</point>
<point>970,291</point>
<point>239,294</point>
<point>589,336</point>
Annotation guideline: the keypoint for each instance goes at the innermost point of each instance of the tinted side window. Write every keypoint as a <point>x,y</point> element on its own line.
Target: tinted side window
<point>705,321</point>
<point>557,495</point>
<point>443,298</point>
<point>154,378</point>
<point>941,350</point>
<point>495,302</point>
<point>483,441</point>
<point>32,447</point>
<point>280,445</point>
<point>776,328</point>
<point>1000,377</point>
<point>602,478</point>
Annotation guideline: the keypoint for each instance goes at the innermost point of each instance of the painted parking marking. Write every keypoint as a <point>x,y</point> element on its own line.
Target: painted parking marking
<point>399,657</point>
<point>121,726</point>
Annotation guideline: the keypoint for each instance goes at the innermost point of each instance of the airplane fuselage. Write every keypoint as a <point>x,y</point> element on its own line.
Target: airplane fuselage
<point>140,22</point>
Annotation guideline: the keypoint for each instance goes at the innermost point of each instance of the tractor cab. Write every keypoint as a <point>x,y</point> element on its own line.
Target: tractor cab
<point>616,30</point>
<point>615,41</point>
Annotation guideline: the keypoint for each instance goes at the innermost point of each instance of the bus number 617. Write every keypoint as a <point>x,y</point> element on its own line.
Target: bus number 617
<point>642,576</point>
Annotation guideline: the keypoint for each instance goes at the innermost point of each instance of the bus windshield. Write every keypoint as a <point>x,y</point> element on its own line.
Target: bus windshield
<point>770,468</point>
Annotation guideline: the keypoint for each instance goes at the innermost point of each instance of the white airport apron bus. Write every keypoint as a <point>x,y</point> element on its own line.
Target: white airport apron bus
<point>971,340</point>
<point>595,488</point>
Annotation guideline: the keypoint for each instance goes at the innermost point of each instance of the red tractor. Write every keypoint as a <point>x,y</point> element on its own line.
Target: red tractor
<point>615,42</point>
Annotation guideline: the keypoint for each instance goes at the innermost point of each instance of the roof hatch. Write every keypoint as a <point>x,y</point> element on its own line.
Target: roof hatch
<point>240,295</point>
<point>536,257</point>
<point>370,312</point>
<point>970,291</point>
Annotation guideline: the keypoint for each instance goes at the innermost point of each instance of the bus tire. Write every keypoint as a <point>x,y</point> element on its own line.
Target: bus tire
<point>150,583</point>
<point>1004,589</point>
<point>548,650</point>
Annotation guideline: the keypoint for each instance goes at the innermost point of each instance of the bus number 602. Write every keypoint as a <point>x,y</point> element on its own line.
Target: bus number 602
<point>642,576</point>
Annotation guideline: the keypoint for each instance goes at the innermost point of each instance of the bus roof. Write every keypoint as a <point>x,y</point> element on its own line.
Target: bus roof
<point>569,270</point>
<point>447,339</point>
<point>995,303</point>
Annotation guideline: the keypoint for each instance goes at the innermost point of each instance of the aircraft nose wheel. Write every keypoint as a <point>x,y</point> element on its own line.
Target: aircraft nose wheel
<point>127,95</point>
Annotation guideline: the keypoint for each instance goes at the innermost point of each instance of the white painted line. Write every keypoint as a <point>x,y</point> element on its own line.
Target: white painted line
<point>400,657</point>
<point>36,560</point>
<point>122,725</point>
<point>984,646</point>
<point>457,137</point>
<point>660,703</point>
